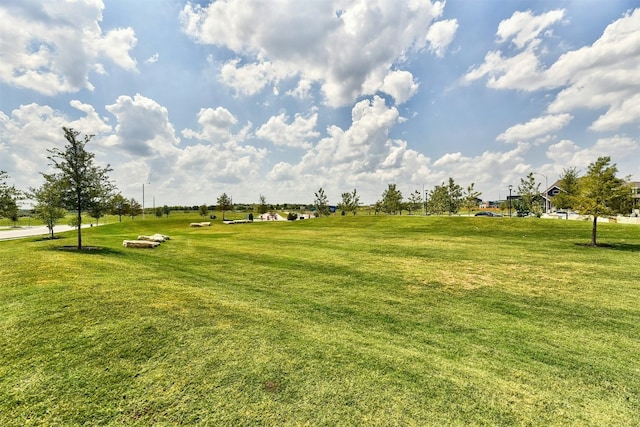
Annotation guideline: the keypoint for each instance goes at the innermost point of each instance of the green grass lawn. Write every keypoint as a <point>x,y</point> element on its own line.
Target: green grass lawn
<point>365,320</point>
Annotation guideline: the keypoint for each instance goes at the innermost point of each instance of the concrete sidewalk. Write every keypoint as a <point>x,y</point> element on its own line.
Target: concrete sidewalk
<point>10,233</point>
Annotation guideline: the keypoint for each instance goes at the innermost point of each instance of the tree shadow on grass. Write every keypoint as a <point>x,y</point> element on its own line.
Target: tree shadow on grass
<point>47,238</point>
<point>90,250</point>
<point>86,249</point>
<point>625,247</point>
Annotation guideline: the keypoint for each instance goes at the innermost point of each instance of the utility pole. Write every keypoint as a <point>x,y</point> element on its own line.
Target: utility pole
<point>143,199</point>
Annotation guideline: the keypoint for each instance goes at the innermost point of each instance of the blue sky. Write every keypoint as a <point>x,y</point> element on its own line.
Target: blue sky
<point>280,98</point>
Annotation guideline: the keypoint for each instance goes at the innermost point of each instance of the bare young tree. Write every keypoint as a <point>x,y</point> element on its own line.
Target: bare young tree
<point>224,203</point>
<point>471,197</point>
<point>263,208</point>
<point>321,203</point>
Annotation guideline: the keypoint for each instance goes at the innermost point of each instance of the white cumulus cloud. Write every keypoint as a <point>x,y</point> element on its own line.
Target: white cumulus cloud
<point>310,41</point>
<point>602,75</point>
<point>441,34</point>
<point>400,85</point>
<point>296,134</point>
<point>523,27</point>
<point>143,126</point>
<point>50,53</point>
<point>535,128</point>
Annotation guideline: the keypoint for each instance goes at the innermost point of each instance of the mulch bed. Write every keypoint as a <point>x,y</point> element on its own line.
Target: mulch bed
<point>84,248</point>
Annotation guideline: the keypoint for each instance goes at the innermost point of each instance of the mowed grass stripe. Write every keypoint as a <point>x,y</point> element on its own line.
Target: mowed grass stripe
<point>371,320</point>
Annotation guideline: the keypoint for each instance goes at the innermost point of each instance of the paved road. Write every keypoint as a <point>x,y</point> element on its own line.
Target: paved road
<point>10,233</point>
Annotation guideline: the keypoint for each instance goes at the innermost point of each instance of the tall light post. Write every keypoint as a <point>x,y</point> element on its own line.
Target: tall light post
<point>143,198</point>
<point>546,188</point>
<point>510,187</point>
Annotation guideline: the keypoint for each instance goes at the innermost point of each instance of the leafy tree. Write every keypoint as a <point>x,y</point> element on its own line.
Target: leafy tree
<point>503,206</point>
<point>355,202</point>
<point>203,210</point>
<point>569,184</point>
<point>377,207</point>
<point>454,196</point>
<point>119,205</point>
<point>438,200</point>
<point>9,197</point>
<point>101,207</point>
<point>166,210</point>
<point>345,204</point>
<point>602,193</point>
<point>263,208</point>
<point>97,211</point>
<point>471,197</point>
<point>445,198</point>
<point>73,222</point>
<point>321,203</point>
<point>158,212</point>
<point>14,218</point>
<point>135,208</point>
<point>530,199</point>
<point>83,184</point>
<point>224,203</point>
<point>350,202</point>
<point>521,208</point>
<point>391,202</point>
<point>47,208</point>
<point>415,201</point>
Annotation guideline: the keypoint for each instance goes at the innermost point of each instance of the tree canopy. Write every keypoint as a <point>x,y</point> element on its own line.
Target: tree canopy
<point>415,201</point>
<point>48,204</point>
<point>445,198</point>
<point>262,207</point>
<point>9,197</point>
<point>471,196</point>
<point>119,206</point>
<point>350,202</point>
<point>83,185</point>
<point>134,208</point>
<point>602,193</point>
<point>569,185</point>
<point>321,203</point>
<point>224,203</point>
<point>530,199</point>
<point>391,202</point>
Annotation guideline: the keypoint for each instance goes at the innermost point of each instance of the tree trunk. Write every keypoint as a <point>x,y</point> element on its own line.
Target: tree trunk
<point>593,231</point>
<point>79,230</point>
<point>79,206</point>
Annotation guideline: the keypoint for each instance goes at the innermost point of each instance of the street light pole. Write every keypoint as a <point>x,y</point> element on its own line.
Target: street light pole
<point>510,187</point>
<point>143,199</point>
